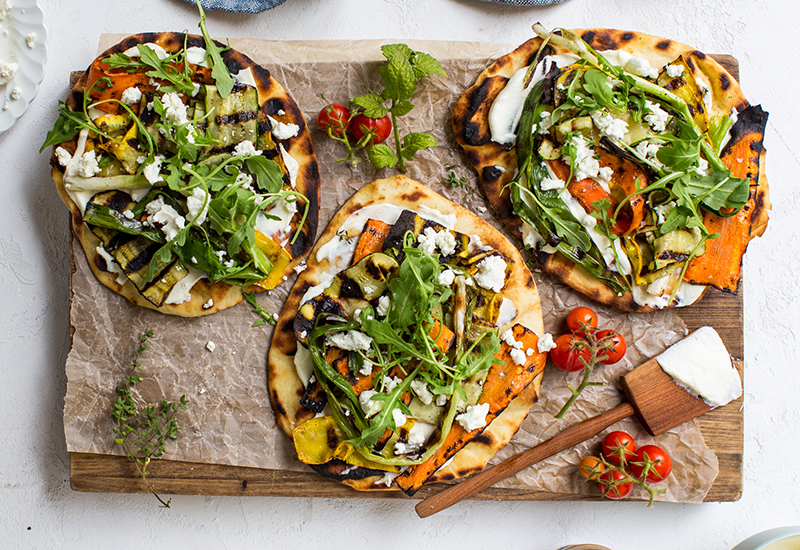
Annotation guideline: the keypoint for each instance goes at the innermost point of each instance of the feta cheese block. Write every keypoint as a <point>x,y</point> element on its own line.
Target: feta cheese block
<point>701,364</point>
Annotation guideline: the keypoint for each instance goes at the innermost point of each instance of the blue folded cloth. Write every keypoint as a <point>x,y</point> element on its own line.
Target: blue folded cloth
<point>526,2</point>
<point>248,6</point>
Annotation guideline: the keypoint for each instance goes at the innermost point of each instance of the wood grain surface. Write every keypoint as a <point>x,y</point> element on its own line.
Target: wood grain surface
<point>722,429</point>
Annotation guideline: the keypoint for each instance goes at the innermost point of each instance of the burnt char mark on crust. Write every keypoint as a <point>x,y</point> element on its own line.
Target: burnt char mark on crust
<point>690,63</point>
<point>724,81</point>
<point>491,174</point>
<point>627,37</point>
<point>664,45</point>
<point>698,54</point>
<point>473,132</point>
<point>273,105</point>
<point>548,50</point>
<point>277,405</point>
<point>601,40</point>
<point>413,197</point>
<point>484,438</point>
<point>340,470</point>
<point>750,122</point>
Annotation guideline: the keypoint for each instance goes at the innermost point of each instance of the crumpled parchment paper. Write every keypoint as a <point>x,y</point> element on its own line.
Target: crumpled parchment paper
<point>229,420</point>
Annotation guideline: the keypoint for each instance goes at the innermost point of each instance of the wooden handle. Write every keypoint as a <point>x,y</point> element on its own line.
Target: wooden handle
<point>564,440</point>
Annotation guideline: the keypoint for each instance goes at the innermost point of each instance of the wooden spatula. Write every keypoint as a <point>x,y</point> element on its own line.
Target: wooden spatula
<point>653,396</point>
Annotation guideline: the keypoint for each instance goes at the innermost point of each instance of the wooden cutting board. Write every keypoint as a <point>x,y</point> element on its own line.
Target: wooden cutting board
<point>721,428</point>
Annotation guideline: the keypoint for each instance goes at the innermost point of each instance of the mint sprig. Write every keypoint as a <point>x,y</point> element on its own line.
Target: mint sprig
<point>401,73</point>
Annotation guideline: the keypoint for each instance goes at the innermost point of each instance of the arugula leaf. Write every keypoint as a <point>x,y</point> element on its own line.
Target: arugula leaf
<point>219,71</point>
<point>266,317</point>
<point>67,126</point>
<point>680,155</point>
<point>718,191</point>
<point>266,172</point>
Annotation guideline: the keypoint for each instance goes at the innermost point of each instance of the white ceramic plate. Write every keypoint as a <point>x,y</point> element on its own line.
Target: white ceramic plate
<point>23,18</point>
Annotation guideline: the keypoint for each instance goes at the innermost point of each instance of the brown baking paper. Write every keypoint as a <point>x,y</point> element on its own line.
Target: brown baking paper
<point>229,420</point>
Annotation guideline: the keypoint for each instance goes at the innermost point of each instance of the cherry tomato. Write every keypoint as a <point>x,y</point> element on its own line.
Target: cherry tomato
<point>661,463</point>
<point>615,346</point>
<point>568,353</point>
<point>335,117</point>
<point>612,486</point>
<point>617,444</point>
<point>362,125</point>
<point>590,467</point>
<point>580,318</point>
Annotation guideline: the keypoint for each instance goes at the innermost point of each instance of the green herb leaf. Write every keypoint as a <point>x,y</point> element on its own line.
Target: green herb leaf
<point>250,297</point>
<point>381,156</point>
<point>66,127</point>
<point>416,141</point>
<point>219,71</point>
<point>718,191</point>
<point>372,105</point>
<point>398,74</point>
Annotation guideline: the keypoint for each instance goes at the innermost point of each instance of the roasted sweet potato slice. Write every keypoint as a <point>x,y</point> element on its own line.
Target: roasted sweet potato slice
<point>721,264</point>
<point>371,240</point>
<point>504,382</point>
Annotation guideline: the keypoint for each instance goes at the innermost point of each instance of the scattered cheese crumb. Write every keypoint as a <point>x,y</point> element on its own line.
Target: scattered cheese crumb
<point>209,304</point>
<point>474,417</point>
<point>211,346</point>
<point>546,343</point>
<point>30,40</point>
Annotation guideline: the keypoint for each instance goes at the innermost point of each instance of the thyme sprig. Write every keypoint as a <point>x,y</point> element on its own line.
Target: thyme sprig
<point>142,429</point>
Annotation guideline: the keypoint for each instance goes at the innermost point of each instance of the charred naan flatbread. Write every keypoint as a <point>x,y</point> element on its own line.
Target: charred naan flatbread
<point>712,95</point>
<point>407,212</point>
<point>147,139</point>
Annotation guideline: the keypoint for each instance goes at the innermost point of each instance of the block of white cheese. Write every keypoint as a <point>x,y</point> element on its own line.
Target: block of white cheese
<point>701,364</point>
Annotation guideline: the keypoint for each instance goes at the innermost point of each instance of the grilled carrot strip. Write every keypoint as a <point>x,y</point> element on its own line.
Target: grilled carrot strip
<point>504,382</point>
<point>371,240</point>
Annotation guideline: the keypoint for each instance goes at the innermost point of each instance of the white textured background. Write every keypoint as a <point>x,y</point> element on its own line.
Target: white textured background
<point>39,510</point>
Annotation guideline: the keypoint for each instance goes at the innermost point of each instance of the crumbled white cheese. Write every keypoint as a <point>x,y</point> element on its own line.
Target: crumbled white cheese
<point>609,125</point>
<point>7,71</point>
<point>366,367</point>
<point>391,383</point>
<point>5,7</point>
<point>427,240</point>
<point>283,130</point>
<point>640,67</point>
<point>368,405</point>
<point>446,277</point>
<point>491,273</point>
<point>211,346</point>
<point>507,312</point>
<point>420,389</point>
<point>518,356</point>
<point>170,219</point>
<point>197,205</point>
<point>87,166</point>
<point>246,149</point>
<point>446,242</point>
<point>30,39</point>
<point>656,117</point>
<point>350,340</point>
<point>545,343</point>
<point>131,96</point>
<point>383,306</point>
<point>16,93</point>
<point>209,304</point>
<point>508,337</point>
<point>152,172</point>
<point>474,417</point>
<point>702,167</point>
<point>586,166</point>
<point>441,400</point>
<point>675,70</point>
<point>545,123</point>
<point>175,110</point>
<point>299,268</point>
<point>387,479</point>
<point>398,417</point>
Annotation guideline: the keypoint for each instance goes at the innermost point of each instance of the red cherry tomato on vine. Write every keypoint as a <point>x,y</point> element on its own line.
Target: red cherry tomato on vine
<point>335,117</point>
<point>616,444</point>
<point>615,343</point>
<point>568,353</point>
<point>661,463</point>
<point>580,318</point>
<point>609,484</point>
<point>362,125</point>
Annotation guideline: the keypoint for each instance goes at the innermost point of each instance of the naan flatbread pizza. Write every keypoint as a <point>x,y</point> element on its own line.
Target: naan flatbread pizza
<point>189,173</point>
<point>408,349</point>
<point>631,166</point>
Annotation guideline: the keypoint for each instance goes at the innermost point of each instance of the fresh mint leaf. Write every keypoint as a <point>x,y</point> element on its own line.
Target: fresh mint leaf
<point>372,105</point>
<point>398,75</point>
<point>425,64</point>
<point>381,156</point>
<point>416,141</point>
<point>401,108</point>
